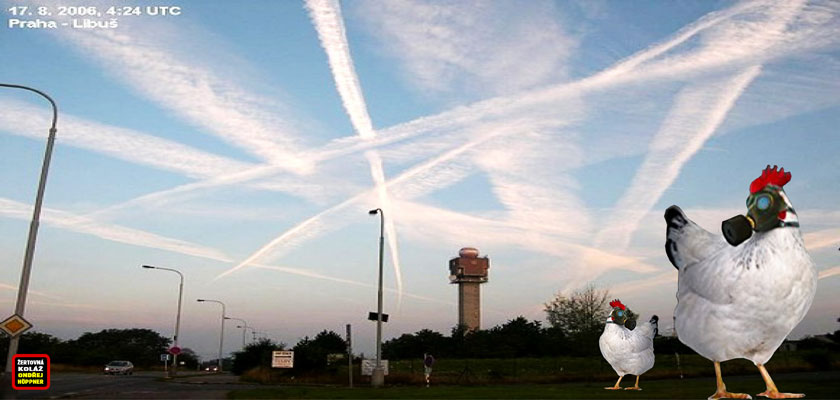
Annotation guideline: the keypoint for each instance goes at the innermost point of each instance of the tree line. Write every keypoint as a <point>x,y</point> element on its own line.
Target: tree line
<point>575,323</point>
<point>310,354</point>
<point>142,347</point>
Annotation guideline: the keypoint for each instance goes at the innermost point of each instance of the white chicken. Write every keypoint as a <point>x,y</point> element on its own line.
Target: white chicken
<point>742,300</point>
<point>627,351</point>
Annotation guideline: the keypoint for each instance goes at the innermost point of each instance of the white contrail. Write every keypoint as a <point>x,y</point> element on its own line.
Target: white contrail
<point>6,286</point>
<point>623,72</point>
<point>314,275</point>
<point>378,174</point>
<point>433,224</point>
<point>314,225</point>
<point>326,15</point>
<point>164,196</point>
<point>619,73</point>
<point>12,209</point>
<point>689,124</point>
<point>23,119</point>
<point>822,239</point>
<point>697,112</point>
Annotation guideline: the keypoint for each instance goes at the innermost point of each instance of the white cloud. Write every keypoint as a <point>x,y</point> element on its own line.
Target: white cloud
<point>472,46</point>
<point>195,93</point>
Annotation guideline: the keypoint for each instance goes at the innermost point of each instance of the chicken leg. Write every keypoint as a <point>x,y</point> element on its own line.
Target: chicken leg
<point>616,387</point>
<point>772,392</point>
<point>634,387</point>
<point>721,392</point>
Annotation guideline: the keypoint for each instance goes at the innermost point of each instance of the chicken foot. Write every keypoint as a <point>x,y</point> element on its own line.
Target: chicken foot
<point>634,387</point>
<point>772,392</point>
<point>721,392</point>
<point>616,387</point>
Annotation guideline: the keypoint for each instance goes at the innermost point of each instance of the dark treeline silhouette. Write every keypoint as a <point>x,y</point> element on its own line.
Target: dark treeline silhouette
<point>142,347</point>
<point>515,338</point>
<point>310,354</point>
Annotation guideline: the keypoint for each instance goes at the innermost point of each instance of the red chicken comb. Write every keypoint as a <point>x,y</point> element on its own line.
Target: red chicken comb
<point>617,303</point>
<point>770,177</point>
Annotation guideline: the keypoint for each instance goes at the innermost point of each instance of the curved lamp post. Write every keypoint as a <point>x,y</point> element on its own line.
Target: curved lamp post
<point>377,378</point>
<point>178,317</point>
<point>20,306</point>
<point>222,333</point>
<point>244,327</point>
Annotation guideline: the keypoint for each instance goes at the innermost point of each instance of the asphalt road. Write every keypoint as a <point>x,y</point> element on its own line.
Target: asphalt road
<point>141,385</point>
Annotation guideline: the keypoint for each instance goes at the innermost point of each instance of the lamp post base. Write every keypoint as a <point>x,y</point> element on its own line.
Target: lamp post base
<point>377,378</point>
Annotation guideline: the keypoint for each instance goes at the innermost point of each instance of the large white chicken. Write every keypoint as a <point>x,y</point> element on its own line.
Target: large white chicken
<point>627,351</point>
<point>742,300</point>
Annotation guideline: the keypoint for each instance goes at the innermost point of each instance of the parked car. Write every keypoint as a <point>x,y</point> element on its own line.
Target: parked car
<point>119,367</point>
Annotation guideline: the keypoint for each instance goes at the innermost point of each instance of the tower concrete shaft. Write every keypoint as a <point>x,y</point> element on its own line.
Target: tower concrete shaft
<point>469,305</point>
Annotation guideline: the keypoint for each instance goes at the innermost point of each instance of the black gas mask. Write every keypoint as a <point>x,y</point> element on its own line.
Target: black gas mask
<point>766,210</point>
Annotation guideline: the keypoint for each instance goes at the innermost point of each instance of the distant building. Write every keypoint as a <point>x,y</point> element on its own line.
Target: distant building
<point>469,271</point>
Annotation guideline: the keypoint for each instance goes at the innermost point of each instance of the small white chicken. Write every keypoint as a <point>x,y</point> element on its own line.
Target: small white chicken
<point>742,300</point>
<point>627,351</point>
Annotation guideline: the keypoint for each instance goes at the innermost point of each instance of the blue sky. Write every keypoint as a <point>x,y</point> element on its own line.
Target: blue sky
<point>244,143</point>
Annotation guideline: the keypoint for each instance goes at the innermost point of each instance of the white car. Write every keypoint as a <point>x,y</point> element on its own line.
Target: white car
<point>119,367</point>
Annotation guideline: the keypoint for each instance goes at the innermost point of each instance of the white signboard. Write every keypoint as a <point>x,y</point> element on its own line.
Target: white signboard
<point>282,359</point>
<point>368,365</point>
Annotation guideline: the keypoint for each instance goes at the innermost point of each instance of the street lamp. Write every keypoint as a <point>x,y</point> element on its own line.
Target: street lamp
<point>243,329</point>
<point>178,317</point>
<point>33,227</point>
<point>377,378</point>
<point>222,333</point>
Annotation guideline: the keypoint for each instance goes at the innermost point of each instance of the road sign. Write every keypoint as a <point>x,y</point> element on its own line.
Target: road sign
<point>282,359</point>
<point>372,316</point>
<point>369,365</point>
<point>15,325</point>
<point>175,350</point>
<point>164,357</point>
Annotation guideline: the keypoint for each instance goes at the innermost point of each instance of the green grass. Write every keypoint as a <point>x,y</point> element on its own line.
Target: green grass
<point>816,385</point>
<point>541,370</point>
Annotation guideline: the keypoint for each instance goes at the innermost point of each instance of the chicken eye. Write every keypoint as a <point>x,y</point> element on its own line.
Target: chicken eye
<point>763,202</point>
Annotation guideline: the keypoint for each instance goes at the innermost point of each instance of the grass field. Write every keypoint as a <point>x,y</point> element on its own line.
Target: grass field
<point>816,385</point>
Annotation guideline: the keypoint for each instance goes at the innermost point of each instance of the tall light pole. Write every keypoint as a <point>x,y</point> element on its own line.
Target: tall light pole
<point>222,333</point>
<point>377,378</point>
<point>174,370</point>
<point>33,227</point>
<point>244,327</point>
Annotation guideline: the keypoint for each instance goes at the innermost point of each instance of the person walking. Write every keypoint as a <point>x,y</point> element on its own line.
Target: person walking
<point>428,362</point>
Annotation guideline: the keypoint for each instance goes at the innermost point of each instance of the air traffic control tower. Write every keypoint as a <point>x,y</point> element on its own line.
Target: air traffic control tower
<point>469,271</point>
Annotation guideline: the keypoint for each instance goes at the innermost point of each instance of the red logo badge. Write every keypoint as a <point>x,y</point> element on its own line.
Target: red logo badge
<point>31,371</point>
